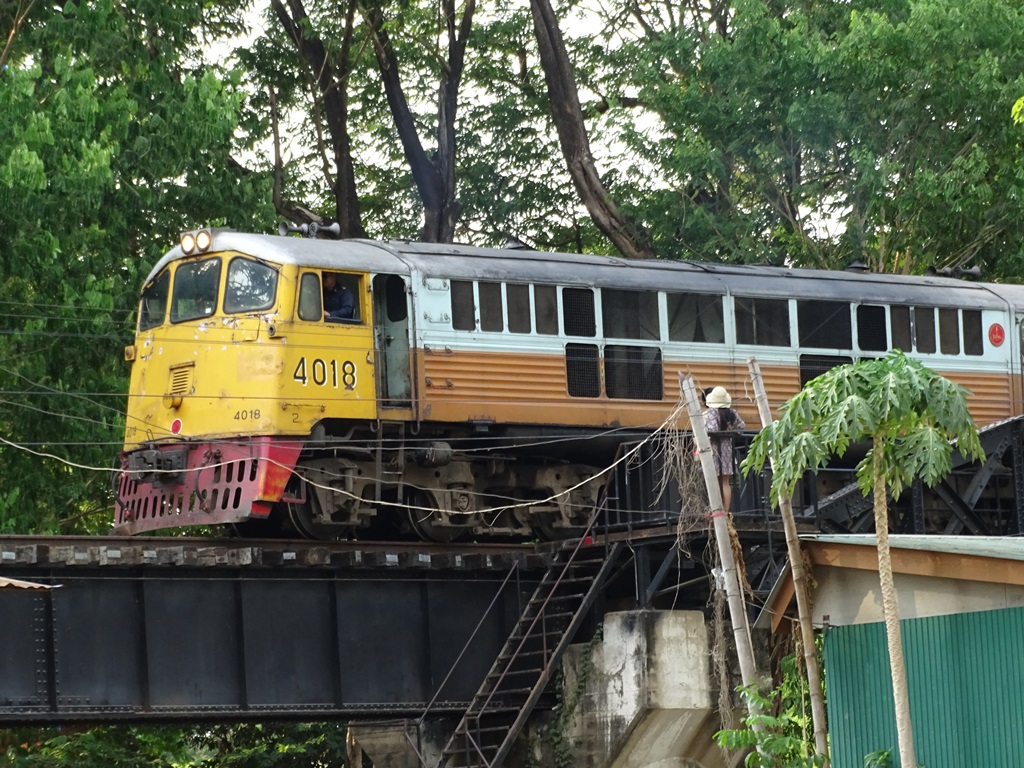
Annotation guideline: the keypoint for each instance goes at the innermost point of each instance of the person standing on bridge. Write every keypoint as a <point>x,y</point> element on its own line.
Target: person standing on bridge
<point>721,418</point>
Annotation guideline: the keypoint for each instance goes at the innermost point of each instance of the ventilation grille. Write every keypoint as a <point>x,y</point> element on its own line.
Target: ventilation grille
<point>181,379</point>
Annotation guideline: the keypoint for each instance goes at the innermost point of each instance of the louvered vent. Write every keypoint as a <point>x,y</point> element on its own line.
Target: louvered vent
<point>181,379</point>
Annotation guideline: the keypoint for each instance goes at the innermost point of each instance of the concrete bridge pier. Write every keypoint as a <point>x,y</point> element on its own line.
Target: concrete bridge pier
<point>638,696</point>
<point>402,744</point>
<point>644,695</point>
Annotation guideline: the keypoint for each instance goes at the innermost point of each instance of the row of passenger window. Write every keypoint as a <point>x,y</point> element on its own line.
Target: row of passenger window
<point>700,318</point>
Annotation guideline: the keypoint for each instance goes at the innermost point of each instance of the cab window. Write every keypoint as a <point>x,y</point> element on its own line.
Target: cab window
<point>195,290</point>
<point>251,286</point>
<point>341,297</point>
<point>310,305</point>
<point>153,304</point>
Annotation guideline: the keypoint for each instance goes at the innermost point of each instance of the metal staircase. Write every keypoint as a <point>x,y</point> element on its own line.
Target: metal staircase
<point>507,696</point>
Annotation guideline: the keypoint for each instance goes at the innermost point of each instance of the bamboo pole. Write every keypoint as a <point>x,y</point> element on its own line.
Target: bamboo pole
<point>796,564</point>
<point>734,596</point>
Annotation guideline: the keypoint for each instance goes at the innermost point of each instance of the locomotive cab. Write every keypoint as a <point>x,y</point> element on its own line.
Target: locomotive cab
<point>238,360</point>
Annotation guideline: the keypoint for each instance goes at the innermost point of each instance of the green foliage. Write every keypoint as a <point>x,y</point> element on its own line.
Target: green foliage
<point>935,179</point>
<point>114,140</point>
<point>770,738</point>
<point>271,745</point>
<point>902,405</point>
<point>252,745</point>
<point>104,746</point>
<point>819,133</point>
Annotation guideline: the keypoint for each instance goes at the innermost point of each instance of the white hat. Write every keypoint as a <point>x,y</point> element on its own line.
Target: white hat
<point>718,398</point>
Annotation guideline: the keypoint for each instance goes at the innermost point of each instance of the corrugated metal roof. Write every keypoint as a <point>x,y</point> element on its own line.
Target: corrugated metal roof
<point>16,584</point>
<point>1003,547</point>
<point>1000,547</point>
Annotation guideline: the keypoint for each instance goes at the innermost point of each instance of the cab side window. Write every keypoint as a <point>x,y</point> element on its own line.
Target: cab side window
<point>341,297</point>
<point>153,305</point>
<point>463,306</point>
<point>310,305</point>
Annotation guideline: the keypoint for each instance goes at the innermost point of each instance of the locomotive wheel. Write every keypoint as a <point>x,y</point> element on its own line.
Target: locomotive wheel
<point>303,518</point>
<point>541,525</point>
<point>422,521</point>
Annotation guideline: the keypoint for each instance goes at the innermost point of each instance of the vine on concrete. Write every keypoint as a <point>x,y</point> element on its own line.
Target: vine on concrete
<point>556,733</point>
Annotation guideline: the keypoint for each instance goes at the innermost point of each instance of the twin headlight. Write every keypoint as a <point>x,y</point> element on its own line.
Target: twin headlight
<point>196,242</point>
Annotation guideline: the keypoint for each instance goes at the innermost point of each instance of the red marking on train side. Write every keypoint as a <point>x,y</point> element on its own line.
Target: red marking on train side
<point>996,334</point>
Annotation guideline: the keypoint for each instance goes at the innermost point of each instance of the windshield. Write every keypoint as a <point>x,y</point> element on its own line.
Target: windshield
<point>195,290</point>
<point>251,286</point>
<point>153,304</point>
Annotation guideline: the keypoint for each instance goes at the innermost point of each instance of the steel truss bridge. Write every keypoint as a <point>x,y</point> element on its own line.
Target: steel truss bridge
<point>147,629</point>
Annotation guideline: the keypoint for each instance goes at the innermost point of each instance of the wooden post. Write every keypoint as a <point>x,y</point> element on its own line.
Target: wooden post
<point>796,564</point>
<point>734,596</point>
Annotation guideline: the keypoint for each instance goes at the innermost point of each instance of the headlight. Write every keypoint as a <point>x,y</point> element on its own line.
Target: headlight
<point>203,239</point>
<point>199,241</point>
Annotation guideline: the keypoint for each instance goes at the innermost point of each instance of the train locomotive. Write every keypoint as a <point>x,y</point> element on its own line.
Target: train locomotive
<point>472,392</point>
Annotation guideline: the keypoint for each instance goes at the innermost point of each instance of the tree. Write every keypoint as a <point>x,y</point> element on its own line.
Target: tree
<point>819,133</point>
<point>267,745</point>
<point>727,131</point>
<point>568,117</point>
<point>512,175</point>
<point>910,414</point>
<point>434,173</point>
<point>934,179</point>
<point>334,69</point>
<point>326,78</point>
<point>768,739</point>
<point>114,141</point>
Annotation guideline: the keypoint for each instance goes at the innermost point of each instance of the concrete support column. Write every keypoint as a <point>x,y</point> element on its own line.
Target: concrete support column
<point>395,744</point>
<point>643,696</point>
<point>640,697</point>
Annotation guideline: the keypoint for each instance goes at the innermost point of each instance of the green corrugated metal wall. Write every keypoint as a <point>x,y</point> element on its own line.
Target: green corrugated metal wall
<point>966,677</point>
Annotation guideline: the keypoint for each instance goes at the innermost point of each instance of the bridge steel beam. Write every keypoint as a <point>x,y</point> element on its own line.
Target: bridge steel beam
<point>154,643</point>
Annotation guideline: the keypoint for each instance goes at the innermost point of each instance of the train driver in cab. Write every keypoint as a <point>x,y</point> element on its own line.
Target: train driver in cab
<point>339,299</point>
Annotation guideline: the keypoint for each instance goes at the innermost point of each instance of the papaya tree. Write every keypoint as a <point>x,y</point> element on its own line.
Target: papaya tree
<point>912,416</point>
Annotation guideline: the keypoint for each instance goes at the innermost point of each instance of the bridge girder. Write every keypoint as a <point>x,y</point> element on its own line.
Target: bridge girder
<point>248,644</point>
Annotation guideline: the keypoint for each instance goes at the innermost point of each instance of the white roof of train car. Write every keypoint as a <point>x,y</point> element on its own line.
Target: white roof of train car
<point>473,263</point>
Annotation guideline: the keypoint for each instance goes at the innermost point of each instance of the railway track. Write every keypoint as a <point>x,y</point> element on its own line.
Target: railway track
<point>132,551</point>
